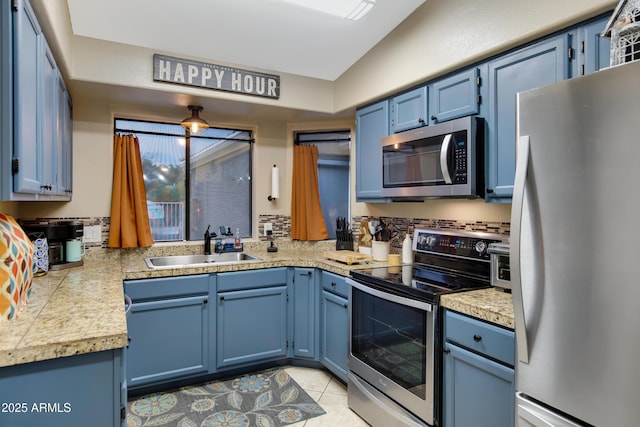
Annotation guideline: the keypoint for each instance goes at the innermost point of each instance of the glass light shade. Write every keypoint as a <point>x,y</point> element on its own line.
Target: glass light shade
<point>195,123</point>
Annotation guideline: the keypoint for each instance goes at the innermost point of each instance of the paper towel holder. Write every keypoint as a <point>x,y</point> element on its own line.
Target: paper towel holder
<point>275,184</point>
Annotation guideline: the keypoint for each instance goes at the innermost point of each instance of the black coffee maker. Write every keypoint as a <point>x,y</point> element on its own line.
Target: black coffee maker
<point>57,234</point>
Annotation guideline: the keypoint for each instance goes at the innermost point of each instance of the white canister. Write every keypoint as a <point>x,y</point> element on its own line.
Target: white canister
<point>379,250</point>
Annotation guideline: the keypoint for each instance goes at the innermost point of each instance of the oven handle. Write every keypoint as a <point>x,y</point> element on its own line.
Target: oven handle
<point>421,305</point>
<point>444,156</point>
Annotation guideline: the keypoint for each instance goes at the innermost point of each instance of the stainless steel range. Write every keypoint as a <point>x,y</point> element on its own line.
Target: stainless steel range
<point>395,338</point>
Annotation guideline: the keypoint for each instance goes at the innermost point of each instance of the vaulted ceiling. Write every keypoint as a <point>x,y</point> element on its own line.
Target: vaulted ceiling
<point>271,35</point>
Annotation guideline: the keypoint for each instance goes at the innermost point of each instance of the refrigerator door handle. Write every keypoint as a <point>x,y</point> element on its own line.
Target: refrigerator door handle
<point>522,166</point>
<point>444,154</point>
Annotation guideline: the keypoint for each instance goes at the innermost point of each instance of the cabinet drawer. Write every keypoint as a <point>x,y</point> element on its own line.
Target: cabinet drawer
<point>238,280</point>
<point>335,283</point>
<point>484,338</point>
<point>166,287</point>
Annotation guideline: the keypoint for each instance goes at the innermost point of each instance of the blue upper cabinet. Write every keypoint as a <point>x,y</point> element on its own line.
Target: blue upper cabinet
<point>28,86</point>
<point>594,51</point>
<point>455,96</point>
<point>6,98</point>
<point>409,110</point>
<point>36,150</point>
<point>534,66</point>
<point>372,123</point>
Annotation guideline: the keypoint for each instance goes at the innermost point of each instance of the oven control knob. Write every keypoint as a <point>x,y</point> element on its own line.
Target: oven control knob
<point>481,246</point>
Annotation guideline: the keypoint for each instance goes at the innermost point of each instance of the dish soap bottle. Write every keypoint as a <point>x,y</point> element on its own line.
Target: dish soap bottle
<point>407,251</point>
<point>236,240</point>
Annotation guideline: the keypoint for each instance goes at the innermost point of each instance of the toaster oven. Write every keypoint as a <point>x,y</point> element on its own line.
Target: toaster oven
<point>500,268</point>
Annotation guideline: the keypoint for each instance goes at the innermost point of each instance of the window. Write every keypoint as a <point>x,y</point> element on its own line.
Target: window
<point>333,173</point>
<point>194,181</point>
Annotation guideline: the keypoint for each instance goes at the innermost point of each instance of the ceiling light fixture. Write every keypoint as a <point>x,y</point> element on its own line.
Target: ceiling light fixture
<point>348,9</point>
<point>194,123</point>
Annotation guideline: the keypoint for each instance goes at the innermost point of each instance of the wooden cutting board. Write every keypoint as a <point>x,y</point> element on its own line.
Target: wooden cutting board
<point>347,257</point>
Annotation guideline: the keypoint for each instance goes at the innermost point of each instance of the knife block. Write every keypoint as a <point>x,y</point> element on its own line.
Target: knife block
<point>344,245</point>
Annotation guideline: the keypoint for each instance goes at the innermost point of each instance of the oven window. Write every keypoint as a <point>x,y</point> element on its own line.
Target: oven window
<point>390,338</point>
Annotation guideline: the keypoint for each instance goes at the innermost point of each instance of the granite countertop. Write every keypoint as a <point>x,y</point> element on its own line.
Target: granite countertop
<point>73,311</point>
<point>81,310</point>
<point>493,305</point>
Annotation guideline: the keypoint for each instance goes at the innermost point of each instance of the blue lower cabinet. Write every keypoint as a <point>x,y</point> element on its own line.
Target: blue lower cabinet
<point>168,327</point>
<point>477,391</point>
<point>334,339</point>
<point>169,340</point>
<point>478,376</point>
<point>82,390</point>
<point>305,313</point>
<point>251,326</point>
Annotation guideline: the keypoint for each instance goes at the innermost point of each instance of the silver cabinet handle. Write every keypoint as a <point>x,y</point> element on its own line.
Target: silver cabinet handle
<point>127,303</point>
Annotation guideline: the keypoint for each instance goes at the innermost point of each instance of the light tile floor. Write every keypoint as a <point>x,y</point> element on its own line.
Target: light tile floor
<point>330,394</point>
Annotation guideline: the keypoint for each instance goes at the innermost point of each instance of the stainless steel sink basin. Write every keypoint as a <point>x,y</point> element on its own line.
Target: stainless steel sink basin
<point>198,260</point>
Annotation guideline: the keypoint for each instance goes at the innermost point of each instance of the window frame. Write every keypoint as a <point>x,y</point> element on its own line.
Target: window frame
<point>187,137</point>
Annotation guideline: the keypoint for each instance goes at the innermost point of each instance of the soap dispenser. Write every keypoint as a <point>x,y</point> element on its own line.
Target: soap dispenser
<point>236,239</point>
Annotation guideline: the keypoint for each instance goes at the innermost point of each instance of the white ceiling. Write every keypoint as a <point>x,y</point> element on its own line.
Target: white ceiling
<point>267,34</point>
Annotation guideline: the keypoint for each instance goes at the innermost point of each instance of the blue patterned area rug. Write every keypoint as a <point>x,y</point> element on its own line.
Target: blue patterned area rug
<point>265,399</point>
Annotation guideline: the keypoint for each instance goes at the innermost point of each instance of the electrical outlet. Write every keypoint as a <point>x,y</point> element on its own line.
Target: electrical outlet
<point>92,233</point>
<point>268,228</point>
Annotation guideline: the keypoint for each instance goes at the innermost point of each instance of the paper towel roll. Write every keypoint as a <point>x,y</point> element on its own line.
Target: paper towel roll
<point>275,182</point>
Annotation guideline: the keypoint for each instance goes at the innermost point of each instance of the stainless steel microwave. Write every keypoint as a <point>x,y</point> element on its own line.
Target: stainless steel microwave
<point>443,160</point>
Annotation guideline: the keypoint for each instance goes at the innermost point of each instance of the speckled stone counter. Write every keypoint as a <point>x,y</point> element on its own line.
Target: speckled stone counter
<point>73,311</point>
<point>493,305</point>
<point>81,310</point>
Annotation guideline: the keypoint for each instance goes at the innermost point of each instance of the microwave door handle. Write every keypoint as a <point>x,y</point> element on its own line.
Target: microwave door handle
<point>444,164</point>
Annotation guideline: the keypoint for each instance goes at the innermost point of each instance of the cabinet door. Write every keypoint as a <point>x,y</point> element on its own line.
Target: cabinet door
<point>49,122</point>
<point>252,326</point>
<point>65,138</point>
<point>334,340</point>
<point>6,100</point>
<point>27,88</point>
<point>409,110</point>
<point>455,96</point>
<point>372,123</point>
<point>305,322</point>
<point>594,51</point>
<point>82,390</point>
<point>476,391</point>
<point>529,68</point>
<point>169,340</point>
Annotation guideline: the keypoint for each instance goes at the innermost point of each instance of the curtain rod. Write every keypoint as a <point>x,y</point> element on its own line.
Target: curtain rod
<point>147,132</point>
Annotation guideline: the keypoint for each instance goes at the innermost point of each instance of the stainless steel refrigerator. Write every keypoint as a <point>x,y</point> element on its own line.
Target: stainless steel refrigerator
<point>575,252</point>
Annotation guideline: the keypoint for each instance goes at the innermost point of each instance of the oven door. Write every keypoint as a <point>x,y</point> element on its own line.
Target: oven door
<point>391,347</point>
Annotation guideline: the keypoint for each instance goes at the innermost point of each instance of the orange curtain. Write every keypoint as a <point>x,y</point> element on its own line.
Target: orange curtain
<point>307,222</point>
<point>129,217</point>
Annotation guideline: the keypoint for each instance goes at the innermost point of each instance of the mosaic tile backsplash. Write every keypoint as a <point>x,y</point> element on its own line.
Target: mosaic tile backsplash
<point>281,226</point>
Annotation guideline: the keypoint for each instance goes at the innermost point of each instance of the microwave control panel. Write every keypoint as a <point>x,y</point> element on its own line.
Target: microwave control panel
<point>460,159</point>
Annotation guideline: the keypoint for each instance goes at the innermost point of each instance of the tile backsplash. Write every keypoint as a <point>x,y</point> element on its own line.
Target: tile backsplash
<point>103,222</point>
<point>281,225</point>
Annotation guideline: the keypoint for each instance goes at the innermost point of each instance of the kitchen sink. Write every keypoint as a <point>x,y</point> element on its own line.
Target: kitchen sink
<point>198,260</point>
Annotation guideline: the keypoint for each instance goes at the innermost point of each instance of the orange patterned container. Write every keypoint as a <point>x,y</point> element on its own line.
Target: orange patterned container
<point>16,267</point>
